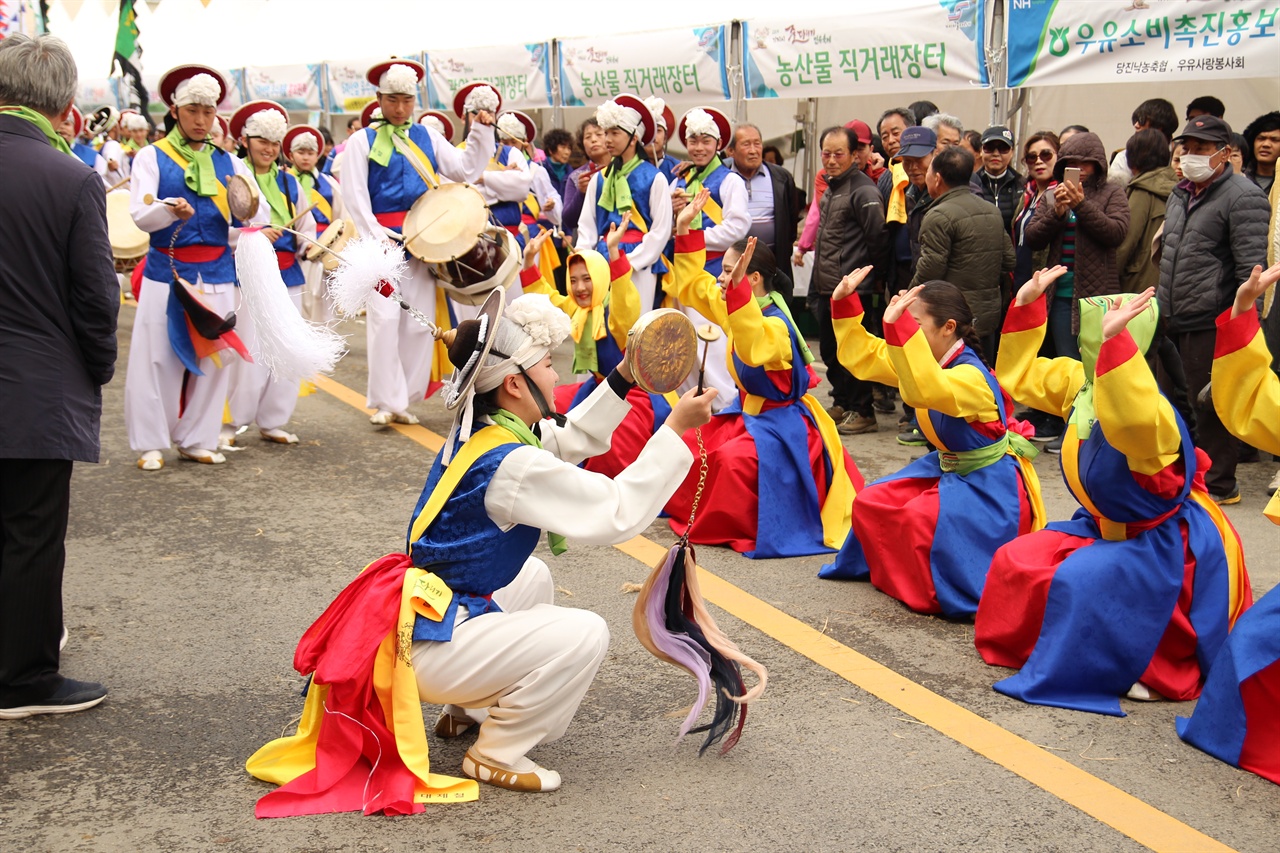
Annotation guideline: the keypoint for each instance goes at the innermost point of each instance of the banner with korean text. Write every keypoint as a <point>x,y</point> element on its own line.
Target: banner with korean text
<point>294,87</point>
<point>1052,42</point>
<point>680,66</point>
<point>905,46</point>
<point>522,73</point>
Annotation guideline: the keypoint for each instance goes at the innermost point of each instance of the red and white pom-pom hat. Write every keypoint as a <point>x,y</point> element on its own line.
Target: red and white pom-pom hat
<point>389,79</point>
<point>440,121</point>
<point>371,113</point>
<point>77,121</point>
<point>255,119</point>
<point>224,124</point>
<point>629,113</point>
<point>179,88</point>
<point>513,123</point>
<point>473,92</point>
<point>705,121</point>
<point>301,135</point>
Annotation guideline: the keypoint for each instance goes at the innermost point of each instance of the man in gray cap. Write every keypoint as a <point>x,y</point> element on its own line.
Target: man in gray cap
<point>1215,231</point>
<point>997,181</point>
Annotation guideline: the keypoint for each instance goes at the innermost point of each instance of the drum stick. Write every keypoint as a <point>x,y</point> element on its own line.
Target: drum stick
<point>150,199</point>
<point>117,186</point>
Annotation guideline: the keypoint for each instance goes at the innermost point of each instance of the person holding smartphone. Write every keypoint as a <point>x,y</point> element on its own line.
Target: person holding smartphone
<point>1082,227</point>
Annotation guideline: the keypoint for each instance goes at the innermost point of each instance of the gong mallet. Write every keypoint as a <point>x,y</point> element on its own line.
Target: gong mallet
<point>706,333</point>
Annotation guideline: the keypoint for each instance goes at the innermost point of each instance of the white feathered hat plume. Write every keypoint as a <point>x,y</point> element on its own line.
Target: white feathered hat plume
<point>369,266</point>
<point>289,346</point>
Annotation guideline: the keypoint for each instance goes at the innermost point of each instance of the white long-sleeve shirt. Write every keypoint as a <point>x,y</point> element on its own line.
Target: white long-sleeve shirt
<point>737,219</point>
<point>650,248</point>
<point>545,488</point>
<point>453,163</point>
<point>543,190</point>
<point>157,215</point>
<point>502,183</point>
<point>113,152</point>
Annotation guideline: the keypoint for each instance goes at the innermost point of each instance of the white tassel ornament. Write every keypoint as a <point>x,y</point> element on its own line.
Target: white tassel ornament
<point>369,266</point>
<point>289,346</point>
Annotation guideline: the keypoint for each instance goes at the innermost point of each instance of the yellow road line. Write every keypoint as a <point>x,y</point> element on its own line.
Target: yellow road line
<point>1101,800</point>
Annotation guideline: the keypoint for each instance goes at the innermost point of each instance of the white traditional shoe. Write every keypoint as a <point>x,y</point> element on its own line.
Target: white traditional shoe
<point>227,437</point>
<point>202,455</point>
<point>152,460</point>
<point>404,418</point>
<point>381,417</point>
<point>279,436</point>
<point>1143,693</point>
<point>448,726</point>
<point>526,776</point>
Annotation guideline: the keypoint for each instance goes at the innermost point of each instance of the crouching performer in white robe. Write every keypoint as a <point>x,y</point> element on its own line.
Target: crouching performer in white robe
<point>466,619</point>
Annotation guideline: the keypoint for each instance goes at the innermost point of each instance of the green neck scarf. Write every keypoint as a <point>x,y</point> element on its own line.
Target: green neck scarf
<point>773,297</point>
<point>306,179</point>
<point>616,194</point>
<point>1143,330</point>
<point>382,149</point>
<point>521,431</point>
<point>693,183</point>
<point>585,354</point>
<point>267,182</point>
<point>45,126</point>
<point>199,176</point>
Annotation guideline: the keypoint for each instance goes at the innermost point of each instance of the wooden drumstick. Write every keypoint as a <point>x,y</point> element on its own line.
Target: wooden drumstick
<point>150,199</point>
<point>706,333</point>
<point>117,186</point>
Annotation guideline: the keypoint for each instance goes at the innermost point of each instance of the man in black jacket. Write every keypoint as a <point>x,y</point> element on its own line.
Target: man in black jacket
<point>998,181</point>
<point>850,235</point>
<point>772,199</point>
<point>57,348</point>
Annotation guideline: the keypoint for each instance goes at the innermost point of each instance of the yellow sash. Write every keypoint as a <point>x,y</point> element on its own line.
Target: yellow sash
<point>440,358</point>
<point>475,447</point>
<point>220,200</point>
<point>318,201</point>
<point>422,158</point>
<point>837,509</point>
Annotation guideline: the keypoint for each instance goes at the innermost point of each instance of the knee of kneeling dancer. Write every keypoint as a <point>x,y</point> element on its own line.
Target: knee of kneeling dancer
<point>540,583</point>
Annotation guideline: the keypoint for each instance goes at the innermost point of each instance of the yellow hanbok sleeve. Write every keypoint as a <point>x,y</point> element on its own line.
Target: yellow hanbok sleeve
<point>758,340</point>
<point>624,301</point>
<point>692,284</point>
<point>961,392</point>
<point>1246,394</point>
<point>1136,419</point>
<point>1049,385</point>
<point>862,353</point>
<point>532,281</point>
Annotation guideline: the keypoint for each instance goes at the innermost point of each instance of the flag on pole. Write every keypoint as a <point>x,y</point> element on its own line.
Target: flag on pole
<point>127,50</point>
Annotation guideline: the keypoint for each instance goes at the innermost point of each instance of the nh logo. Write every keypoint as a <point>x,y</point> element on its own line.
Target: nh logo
<point>1022,4</point>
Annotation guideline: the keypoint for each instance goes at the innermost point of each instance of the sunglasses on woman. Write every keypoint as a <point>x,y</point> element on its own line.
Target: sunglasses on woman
<point>1043,156</point>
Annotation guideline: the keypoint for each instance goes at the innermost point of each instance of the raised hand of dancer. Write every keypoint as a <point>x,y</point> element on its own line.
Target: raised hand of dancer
<point>1035,286</point>
<point>533,248</point>
<point>614,237</point>
<point>850,283</point>
<point>693,410</point>
<point>692,209</point>
<point>900,302</point>
<point>1120,312</point>
<point>1256,285</point>
<point>740,267</point>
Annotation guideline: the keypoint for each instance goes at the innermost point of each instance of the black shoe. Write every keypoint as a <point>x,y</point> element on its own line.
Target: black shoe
<point>1054,446</point>
<point>1227,500</point>
<point>882,402</point>
<point>913,438</point>
<point>70,696</point>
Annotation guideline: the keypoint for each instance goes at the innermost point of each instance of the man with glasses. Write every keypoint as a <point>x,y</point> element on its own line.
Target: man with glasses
<point>1215,231</point>
<point>850,235</point>
<point>997,181</point>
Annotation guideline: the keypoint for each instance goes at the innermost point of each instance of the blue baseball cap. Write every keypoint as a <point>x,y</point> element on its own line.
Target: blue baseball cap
<point>917,142</point>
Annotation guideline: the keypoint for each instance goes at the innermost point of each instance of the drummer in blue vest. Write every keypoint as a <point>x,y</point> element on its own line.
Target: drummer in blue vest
<point>724,220</point>
<point>632,183</point>
<point>255,396</point>
<point>172,394</point>
<point>506,181</point>
<point>379,185</point>
<point>302,146</point>
<point>664,122</point>
<point>72,130</point>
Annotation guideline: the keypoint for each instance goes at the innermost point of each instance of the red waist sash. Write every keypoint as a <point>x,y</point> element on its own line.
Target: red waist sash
<point>284,260</point>
<point>192,254</point>
<point>394,219</point>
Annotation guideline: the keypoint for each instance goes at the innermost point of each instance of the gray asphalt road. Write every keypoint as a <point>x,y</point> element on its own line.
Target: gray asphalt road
<point>187,590</point>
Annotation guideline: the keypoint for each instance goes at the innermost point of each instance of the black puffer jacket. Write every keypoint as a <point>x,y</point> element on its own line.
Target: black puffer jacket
<point>1209,248</point>
<point>850,231</point>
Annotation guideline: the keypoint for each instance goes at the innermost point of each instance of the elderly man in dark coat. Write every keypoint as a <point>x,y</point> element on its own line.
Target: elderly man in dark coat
<point>57,349</point>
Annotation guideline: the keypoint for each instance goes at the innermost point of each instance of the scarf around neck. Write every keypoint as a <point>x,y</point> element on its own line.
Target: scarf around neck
<point>269,183</point>
<point>382,149</point>
<point>199,175</point>
<point>693,183</point>
<point>43,124</point>
<point>615,195</point>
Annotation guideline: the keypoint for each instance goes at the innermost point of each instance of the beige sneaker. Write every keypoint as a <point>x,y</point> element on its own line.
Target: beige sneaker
<point>855,424</point>
<point>526,776</point>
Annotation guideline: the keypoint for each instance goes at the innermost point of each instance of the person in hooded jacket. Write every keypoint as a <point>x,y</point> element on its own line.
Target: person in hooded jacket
<point>1147,153</point>
<point>1082,228</point>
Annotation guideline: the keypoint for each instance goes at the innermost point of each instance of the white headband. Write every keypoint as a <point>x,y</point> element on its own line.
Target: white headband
<point>612,114</point>
<point>266,124</point>
<point>481,98</point>
<point>530,328</point>
<point>656,105</point>
<point>699,122</point>
<point>304,142</point>
<point>201,89</point>
<point>434,123</point>
<point>512,126</point>
<point>398,80</point>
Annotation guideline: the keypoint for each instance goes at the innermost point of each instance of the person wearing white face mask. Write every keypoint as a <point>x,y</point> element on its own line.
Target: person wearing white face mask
<point>1215,231</point>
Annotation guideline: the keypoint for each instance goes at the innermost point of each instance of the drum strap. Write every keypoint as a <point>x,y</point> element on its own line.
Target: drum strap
<point>220,200</point>
<point>422,158</point>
